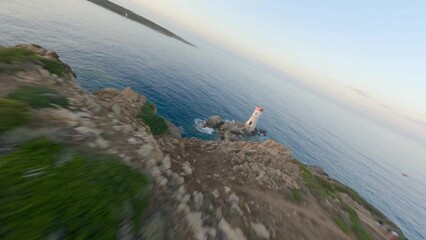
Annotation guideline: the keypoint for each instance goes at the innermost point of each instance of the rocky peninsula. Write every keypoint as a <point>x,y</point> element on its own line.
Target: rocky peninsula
<point>138,18</point>
<point>104,165</point>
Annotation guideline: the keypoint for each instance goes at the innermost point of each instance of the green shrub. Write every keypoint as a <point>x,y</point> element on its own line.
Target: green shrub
<point>311,182</point>
<point>20,55</point>
<point>53,66</point>
<point>357,228</point>
<point>49,190</point>
<point>294,195</point>
<point>156,123</point>
<point>12,114</point>
<point>39,97</point>
<point>15,55</point>
<point>341,223</point>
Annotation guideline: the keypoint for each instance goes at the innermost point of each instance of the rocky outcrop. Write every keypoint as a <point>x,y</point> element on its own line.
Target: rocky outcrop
<point>231,130</point>
<point>214,122</point>
<point>228,189</point>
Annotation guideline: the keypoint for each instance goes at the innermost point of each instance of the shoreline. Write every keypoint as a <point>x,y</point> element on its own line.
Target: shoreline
<point>219,188</point>
<point>138,18</point>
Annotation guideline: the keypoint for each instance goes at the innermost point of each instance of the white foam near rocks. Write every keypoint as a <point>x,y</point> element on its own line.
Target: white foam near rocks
<point>199,126</point>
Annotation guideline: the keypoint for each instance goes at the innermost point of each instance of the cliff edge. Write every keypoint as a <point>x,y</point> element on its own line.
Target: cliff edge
<point>192,189</point>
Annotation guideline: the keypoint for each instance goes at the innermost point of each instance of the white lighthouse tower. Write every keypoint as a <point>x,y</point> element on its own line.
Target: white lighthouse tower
<point>252,122</point>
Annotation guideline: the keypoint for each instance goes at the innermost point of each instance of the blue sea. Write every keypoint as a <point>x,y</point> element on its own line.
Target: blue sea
<point>189,83</point>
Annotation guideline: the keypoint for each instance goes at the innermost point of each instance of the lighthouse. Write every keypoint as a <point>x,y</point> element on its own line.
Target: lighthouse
<point>252,122</point>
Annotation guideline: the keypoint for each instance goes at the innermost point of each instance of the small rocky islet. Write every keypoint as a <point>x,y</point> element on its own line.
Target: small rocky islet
<point>101,146</point>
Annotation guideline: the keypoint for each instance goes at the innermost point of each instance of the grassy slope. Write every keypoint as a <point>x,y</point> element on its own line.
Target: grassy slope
<point>48,189</point>
<point>21,55</point>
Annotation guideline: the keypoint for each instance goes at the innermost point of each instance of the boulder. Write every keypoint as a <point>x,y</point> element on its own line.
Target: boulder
<point>260,230</point>
<point>131,96</point>
<point>214,122</point>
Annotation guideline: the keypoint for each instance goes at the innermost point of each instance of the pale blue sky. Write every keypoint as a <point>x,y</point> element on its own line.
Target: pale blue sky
<point>371,53</point>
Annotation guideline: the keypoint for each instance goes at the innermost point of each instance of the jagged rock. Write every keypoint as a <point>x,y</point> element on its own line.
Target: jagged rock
<point>215,193</point>
<point>39,50</point>
<point>87,130</point>
<point>260,230</point>
<point>229,232</point>
<point>227,189</point>
<point>116,109</point>
<point>198,199</point>
<point>87,123</point>
<point>155,172</point>
<point>132,141</point>
<point>102,143</point>
<point>214,122</point>
<point>150,163</point>
<point>166,162</point>
<point>233,198</point>
<point>65,115</point>
<point>131,96</point>
<point>145,150</point>
<point>187,170</point>
<point>84,114</point>
<point>162,181</point>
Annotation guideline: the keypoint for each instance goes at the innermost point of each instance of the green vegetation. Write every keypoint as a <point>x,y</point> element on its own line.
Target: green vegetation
<point>12,114</point>
<point>149,116</point>
<point>294,195</point>
<point>311,181</point>
<point>53,66</point>
<point>50,190</point>
<point>15,55</point>
<point>39,97</point>
<point>341,223</point>
<point>21,55</point>
<point>357,227</point>
<point>324,188</point>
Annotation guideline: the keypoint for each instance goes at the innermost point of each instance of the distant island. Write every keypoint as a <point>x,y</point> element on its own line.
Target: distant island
<point>137,18</point>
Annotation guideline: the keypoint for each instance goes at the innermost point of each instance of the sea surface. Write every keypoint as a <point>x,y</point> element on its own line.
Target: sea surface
<point>187,83</point>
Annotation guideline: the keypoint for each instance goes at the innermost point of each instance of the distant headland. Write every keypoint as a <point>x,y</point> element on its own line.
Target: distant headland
<point>137,18</point>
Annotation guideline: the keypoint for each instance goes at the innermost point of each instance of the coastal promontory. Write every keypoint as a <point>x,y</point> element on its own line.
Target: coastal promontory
<point>105,165</point>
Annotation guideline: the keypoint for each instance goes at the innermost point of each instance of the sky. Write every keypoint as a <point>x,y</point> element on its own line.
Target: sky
<point>370,55</point>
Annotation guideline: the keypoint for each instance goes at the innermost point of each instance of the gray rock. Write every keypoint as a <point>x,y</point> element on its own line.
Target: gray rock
<point>162,181</point>
<point>150,163</point>
<point>84,114</point>
<point>260,230</point>
<point>166,162</point>
<point>155,172</point>
<point>186,198</point>
<point>132,141</point>
<point>145,150</point>
<point>198,199</point>
<point>102,143</point>
<point>215,193</point>
<point>234,198</point>
<point>87,123</point>
<point>187,170</point>
<point>214,122</point>
<point>116,109</point>
<point>87,130</point>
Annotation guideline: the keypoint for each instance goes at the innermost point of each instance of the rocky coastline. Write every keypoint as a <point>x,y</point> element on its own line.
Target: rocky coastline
<point>227,189</point>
